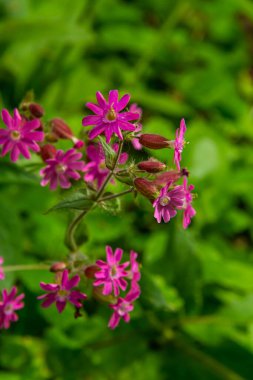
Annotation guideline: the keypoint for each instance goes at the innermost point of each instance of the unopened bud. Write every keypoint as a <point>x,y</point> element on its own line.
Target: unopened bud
<point>36,110</point>
<point>185,172</point>
<point>153,141</point>
<point>58,267</point>
<point>61,129</point>
<point>163,178</point>
<point>47,151</point>
<point>91,270</point>
<point>146,188</point>
<point>151,166</point>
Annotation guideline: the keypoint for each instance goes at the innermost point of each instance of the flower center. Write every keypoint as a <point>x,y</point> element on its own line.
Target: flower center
<point>123,309</point>
<point>164,201</point>
<point>111,115</point>
<point>62,294</point>
<point>113,271</point>
<point>61,168</point>
<point>8,310</point>
<point>15,135</point>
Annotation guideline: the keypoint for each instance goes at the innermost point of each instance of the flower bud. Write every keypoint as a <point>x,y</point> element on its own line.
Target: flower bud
<point>153,141</point>
<point>36,110</point>
<point>47,151</point>
<point>151,166</point>
<point>146,188</point>
<point>78,144</point>
<point>163,178</point>
<point>91,270</point>
<point>61,129</point>
<point>58,266</point>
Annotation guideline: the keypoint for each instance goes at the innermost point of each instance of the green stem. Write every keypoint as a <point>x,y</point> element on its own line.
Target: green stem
<point>14,268</point>
<point>70,234</point>
<point>112,196</point>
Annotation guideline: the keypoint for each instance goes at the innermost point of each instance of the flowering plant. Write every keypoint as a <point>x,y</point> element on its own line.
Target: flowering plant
<point>94,162</point>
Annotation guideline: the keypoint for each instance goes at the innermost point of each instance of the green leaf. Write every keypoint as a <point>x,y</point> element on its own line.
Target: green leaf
<point>110,154</point>
<point>111,205</point>
<point>76,201</point>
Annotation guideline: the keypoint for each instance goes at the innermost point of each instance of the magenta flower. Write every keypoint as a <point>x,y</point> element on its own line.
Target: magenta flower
<point>189,211</point>
<point>61,168</point>
<point>179,143</point>
<point>111,272</point>
<point>108,118</point>
<point>2,275</point>
<point>20,135</point>
<point>168,201</point>
<point>134,273</point>
<point>61,293</point>
<point>9,304</point>
<point>123,307</point>
<point>96,169</point>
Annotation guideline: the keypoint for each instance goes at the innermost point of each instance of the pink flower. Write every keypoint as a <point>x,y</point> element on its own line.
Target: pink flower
<point>2,275</point>
<point>179,143</point>
<point>168,201</point>
<point>123,307</point>
<point>61,168</point>
<point>134,272</point>
<point>111,272</point>
<point>108,118</point>
<point>61,293</point>
<point>135,141</point>
<point>96,169</point>
<point>9,304</point>
<point>189,211</point>
<point>20,135</point>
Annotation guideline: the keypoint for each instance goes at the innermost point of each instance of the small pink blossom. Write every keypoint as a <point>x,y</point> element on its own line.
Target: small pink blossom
<point>135,141</point>
<point>61,168</point>
<point>108,118</point>
<point>168,201</point>
<point>96,169</point>
<point>111,273</point>
<point>123,307</point>
<point>134,273</point>
<point>2,275</point>
<point>179,143</point>
<point>8,306</point>
<point>20,135</point>
<point>61,292</point>
<point>189,211</point>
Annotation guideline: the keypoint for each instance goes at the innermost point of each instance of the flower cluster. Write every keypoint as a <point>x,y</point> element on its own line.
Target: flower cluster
<point>112,277</point>
<point>93,165</point>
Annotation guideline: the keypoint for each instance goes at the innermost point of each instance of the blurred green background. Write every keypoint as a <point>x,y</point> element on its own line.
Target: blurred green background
<point>189,59</point>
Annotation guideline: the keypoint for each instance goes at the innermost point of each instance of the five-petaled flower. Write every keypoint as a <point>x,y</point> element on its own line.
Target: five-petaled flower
<point>8,306</point>
<point>111,274</point>
<point>61,292</point>
<point>189,211</point>
<point>20,135</point>
<point>123,307</point>
<point>2,275</point>
<point>179,143</point>
<point>168,201</point>
<point>108,118</point>
<point>61,168</point>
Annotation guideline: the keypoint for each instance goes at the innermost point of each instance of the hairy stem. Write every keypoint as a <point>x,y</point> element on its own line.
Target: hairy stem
<point>70,234</point>
<point>112,196</point>
<point>14,268</point>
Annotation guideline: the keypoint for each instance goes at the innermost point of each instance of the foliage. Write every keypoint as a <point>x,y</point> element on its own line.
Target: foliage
<point>177,59</point>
